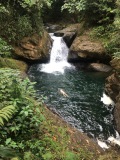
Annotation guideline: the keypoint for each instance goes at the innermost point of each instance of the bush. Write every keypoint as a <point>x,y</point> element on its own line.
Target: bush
<point>113,44</point>
<point>99,11</point>
<point>110,37</point>
<point>26,118</point>
<point>23,27</point>
<point>18,19</point>
<point>5,49</point>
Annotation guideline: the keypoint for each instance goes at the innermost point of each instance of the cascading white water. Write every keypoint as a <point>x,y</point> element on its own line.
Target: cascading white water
<point>58,59</point>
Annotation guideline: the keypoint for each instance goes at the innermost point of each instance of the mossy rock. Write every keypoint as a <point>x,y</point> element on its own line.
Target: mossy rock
<point>14,64</point>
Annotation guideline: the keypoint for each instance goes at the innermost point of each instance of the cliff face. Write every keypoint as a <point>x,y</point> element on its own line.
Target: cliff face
<point>34,48</point>
<point>112,87</point>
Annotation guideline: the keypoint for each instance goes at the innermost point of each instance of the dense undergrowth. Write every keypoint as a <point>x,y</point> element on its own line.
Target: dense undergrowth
<point>109,36</point>
<point>5,49</point>
<point>20,116</point>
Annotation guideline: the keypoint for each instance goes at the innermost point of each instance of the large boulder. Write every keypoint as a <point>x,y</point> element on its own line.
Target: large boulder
<point>34,48</point>
<point>14,64</point>
<point>99,67</point>
<point>84,49</point>
<point>69,33</point>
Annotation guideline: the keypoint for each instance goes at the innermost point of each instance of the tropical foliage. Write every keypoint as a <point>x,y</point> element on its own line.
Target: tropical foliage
<point>5,49</point>
<point>6,113</point>
<point>16,103</point>
<point>115,41</point>
<point>22,124</point>
<point>21,18</point>
<point>100,11</point>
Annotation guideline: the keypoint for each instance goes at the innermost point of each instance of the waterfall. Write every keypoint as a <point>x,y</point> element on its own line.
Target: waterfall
<point>58,59</point>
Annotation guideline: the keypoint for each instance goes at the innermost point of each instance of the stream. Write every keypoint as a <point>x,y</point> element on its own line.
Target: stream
<point>82,107</point>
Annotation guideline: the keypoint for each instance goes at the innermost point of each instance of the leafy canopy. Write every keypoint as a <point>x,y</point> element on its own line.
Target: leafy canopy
<point>100,11</point>
<point>20,18</point>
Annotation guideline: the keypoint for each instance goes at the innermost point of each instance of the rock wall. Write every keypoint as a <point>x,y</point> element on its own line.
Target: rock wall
<point>34,48</point>
<point>112,88</point>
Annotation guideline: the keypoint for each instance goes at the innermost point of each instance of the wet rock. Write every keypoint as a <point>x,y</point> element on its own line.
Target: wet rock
<point>99,67</point>
<point>69,33</point>
<point>69,38</point>
<point>14,64</point>
<point>84,49</point>
<point>53,27</point>
<point>34,48</point>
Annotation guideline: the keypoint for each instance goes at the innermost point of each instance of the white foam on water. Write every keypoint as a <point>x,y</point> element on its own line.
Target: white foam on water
<point>114,140</point>
<point>107,100</point>
<point>102,144</point>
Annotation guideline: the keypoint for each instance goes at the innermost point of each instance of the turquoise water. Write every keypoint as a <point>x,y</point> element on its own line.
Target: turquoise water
<point>83,108</point>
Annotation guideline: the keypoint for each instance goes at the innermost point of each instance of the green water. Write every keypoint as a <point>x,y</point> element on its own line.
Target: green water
<point>83,108</point>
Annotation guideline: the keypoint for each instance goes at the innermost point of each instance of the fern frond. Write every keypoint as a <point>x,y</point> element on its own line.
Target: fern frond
<point>4,116</point>
<point>6,152</point>
<point>1,121</point>
<point>6,113</point>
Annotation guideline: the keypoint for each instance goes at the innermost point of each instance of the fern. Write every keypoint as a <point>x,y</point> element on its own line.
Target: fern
<point>6,113</point>
<point>6,152</point>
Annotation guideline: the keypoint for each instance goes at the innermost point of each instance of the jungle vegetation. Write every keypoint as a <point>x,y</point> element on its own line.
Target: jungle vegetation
<point>20,114</point>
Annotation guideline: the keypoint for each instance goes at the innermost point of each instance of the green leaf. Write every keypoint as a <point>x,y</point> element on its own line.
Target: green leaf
<point>26,113</point>
<point>48,156</point>
<point>6,113</point>
<point>8,141</point>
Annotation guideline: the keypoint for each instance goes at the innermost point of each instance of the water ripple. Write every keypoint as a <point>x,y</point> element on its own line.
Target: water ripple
<point>83,108</point>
